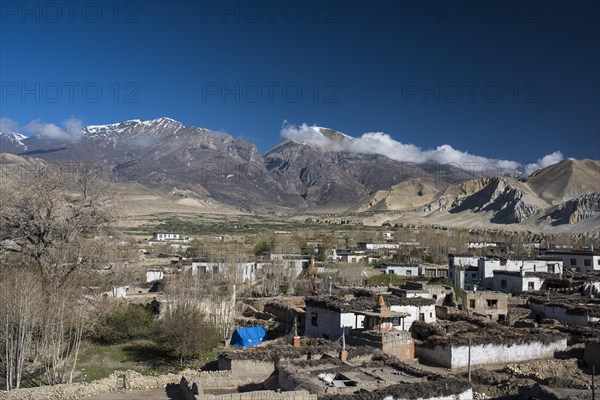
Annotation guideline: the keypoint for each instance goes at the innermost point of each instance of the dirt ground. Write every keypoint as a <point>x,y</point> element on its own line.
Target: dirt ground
<point>171,392</point>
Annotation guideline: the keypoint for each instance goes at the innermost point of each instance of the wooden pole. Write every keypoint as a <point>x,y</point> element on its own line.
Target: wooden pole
<point>469,362</point>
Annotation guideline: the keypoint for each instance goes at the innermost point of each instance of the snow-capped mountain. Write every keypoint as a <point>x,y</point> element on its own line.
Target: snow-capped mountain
<point>165,154</point>
<point>12,142</point>
<point>157,126</point>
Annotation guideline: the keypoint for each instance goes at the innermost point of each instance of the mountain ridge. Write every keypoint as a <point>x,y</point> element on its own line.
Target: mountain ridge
<point>164,154</point>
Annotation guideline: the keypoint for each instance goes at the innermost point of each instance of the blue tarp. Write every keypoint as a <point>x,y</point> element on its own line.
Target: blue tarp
<point>248,337</point>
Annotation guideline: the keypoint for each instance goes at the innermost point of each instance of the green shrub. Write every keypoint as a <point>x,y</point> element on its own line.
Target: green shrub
<point>124,322</point>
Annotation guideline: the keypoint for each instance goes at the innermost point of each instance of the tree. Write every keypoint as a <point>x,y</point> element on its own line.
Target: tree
<point>186,331</point>
<point>262,247</point>
<point>20,317</point>
<point>53,219</point>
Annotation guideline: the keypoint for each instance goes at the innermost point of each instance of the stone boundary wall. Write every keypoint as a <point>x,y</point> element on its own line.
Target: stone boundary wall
<point>555,311</point>
<point>457,356</point>
<point>193,389</point>
<point>133,379</point>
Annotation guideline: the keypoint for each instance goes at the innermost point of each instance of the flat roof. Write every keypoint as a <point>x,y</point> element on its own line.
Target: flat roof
<point>384,314</point>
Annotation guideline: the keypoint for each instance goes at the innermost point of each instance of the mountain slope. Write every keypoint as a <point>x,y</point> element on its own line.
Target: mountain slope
<point>11,142</point>
<point>208,168</point>
<point>166,155</point>
<point>324,176</point>
<point>566,180</point>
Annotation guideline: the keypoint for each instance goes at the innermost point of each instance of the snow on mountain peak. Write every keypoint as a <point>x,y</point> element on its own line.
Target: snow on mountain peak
<point>158,125</point>
<point>12,141</point>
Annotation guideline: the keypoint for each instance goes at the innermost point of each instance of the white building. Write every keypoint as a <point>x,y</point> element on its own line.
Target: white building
<point>402,270</point>
<point>457,264</point>
<point>154,274</point>
<point>327,317</point>
<point>120,291</point>
<point>242,272</point>
<point>419,309</point>
<point>169,236</point>
<point>582,261</point>
<point>517,282</point>
<point>328,321</point>
<point>378,246</point>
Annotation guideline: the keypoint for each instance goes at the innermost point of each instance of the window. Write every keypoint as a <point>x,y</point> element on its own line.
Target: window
<point>471,303</point>
<point>421,317</point>
<point>391,272</point>
<point>313,319</point>
<point>408,272</point>
<point>492,303</point>
<point>435,296</point>
<point>530,286</point>
<point>573,261</point>
<point>474,276</point>
<point>587,262</point>
<point>503,283</point>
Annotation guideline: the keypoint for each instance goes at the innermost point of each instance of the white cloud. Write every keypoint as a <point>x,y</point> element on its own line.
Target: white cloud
<point>8,125</point>
<point>304,134</point>
<point>383,144</point>
<point>546,161</point>
<point>71,130</point>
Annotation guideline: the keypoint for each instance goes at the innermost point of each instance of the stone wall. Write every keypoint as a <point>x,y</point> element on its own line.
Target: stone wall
<point>559,313</point>
<point>134,381</point>
<point>466,395</point>
<point>452,356</point>
<point>137,381</point>
<point>193,389</point>
<point>257,370</point>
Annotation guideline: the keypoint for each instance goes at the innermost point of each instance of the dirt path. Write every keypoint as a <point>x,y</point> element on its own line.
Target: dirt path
<point>171,392</point>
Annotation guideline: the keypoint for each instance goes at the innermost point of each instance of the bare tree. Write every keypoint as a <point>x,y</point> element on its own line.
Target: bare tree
<point>51,216</point>
<point>20,316</point>
<point>53,219</point>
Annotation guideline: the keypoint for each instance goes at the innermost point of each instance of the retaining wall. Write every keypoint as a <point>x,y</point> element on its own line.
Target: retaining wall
<point>452,356</point>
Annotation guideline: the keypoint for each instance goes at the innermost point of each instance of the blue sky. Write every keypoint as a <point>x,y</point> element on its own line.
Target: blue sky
<point>505,80</point>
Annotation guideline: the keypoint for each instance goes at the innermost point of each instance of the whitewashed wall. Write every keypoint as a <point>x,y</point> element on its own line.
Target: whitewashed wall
<point>414,311</point>
<point>458,356</point>
<point>560,314</point>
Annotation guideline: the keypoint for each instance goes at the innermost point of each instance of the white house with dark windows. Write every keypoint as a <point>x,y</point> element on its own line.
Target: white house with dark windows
<point>581,260</point>
<point>519,282</point>
<point>402,270</point>
<point>329,316</point>
<point>169,236</point>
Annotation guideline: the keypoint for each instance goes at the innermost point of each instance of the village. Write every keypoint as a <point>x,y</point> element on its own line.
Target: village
<point>380,319</point>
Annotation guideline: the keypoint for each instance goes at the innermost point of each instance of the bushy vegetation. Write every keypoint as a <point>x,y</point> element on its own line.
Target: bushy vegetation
<point>262,247</point>
<point>124,322</point>
<point>185,332</point>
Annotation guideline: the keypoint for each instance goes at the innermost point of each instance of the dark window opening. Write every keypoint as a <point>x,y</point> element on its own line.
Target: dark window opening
<point>313,319</point>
